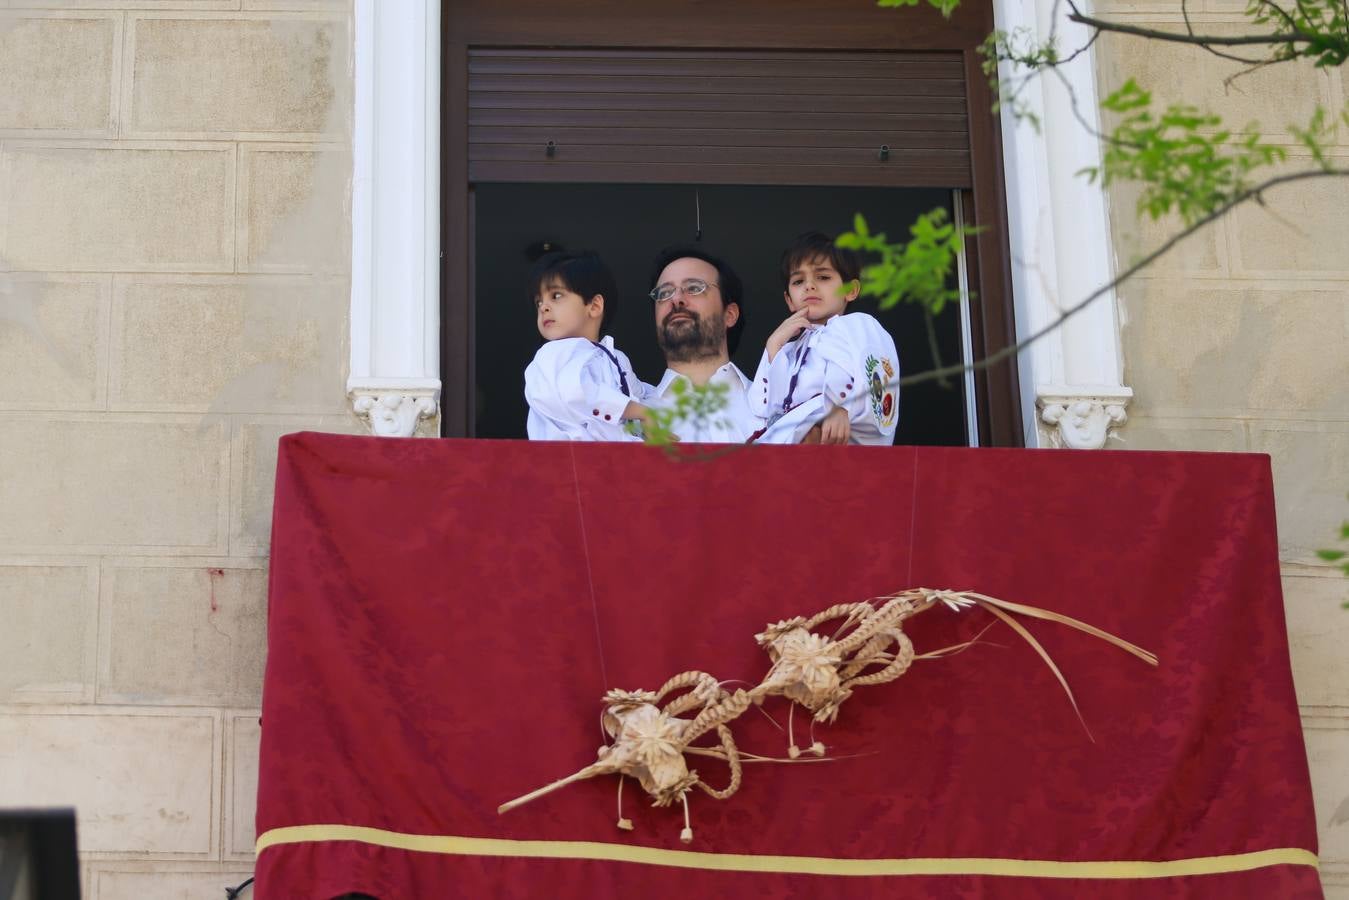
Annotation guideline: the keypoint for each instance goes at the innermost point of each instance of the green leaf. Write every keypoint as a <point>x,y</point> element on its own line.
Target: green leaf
<point>945,7</point>
<point>918,271</point>
<point>1184,160</point>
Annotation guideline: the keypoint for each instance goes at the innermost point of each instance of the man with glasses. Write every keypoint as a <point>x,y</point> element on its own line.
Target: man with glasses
<point>699,318</point>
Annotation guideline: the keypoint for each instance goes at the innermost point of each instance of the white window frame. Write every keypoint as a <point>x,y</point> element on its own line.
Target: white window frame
<point>1071,382</point>
<point>394,379</point>
<point>1072,385</point>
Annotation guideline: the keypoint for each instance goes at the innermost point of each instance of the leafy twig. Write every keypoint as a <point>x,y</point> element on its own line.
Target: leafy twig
<point>915,272</point>
<point>992,359</point>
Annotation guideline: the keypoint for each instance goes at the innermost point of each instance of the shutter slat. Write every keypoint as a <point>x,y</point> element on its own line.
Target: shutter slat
<point>718,116</point>
<point>489,56</point>
<point>780,65</point>
<point>655,136</point>
<point>697,155</point>
<point>623,173</point>
<point>547,117</point>
<point>881,89</point>
<point>834,106</point>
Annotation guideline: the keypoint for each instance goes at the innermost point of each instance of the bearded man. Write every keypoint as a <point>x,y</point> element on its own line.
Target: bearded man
<point>698,323</point>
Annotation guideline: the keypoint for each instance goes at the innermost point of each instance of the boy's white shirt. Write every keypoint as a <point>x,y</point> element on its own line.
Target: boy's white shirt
<point>575,393</point>
<point>849,361</point>
<point>732,425</point>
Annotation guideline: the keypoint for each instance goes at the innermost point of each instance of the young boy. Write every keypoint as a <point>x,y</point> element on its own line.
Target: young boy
<point>579,387</point>
<point>823,365</point>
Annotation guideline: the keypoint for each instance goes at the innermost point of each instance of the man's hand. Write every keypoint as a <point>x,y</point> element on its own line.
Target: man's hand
<point>636,412</point>
<point>790,328</point>
<point>834,428</point>
<point>654,428</point>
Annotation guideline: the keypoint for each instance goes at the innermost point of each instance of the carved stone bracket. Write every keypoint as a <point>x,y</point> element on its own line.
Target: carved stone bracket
<point>1082,420</point>
<point>393,410</point>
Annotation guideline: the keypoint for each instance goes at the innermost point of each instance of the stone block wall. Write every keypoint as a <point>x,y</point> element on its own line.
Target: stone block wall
<point>174,279</point>
<point>1237,341</point>
<point>174,283</point>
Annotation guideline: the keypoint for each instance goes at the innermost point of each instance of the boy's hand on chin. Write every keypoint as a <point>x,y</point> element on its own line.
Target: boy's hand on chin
<point>790,328</point>
<point>834,428</point>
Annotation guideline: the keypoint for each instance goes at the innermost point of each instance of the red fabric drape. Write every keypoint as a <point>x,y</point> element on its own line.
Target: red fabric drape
<point>445,615</point>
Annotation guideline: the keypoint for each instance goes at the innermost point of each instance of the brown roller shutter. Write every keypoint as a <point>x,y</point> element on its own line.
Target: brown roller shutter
<point>718,116</point>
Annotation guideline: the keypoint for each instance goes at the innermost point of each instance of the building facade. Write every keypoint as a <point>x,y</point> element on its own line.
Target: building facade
<point>221,221</point>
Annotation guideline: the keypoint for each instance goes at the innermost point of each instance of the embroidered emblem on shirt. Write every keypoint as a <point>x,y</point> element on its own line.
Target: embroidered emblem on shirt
<point>884,401</point>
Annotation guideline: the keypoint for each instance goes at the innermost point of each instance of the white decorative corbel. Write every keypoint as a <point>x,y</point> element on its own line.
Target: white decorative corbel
<point>395,215</point>
<point>1071,379</point>
<point>1081,421</point>
<point>391,410</point>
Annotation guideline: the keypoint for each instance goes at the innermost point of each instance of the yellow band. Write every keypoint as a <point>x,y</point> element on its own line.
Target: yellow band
<point>794,865</point>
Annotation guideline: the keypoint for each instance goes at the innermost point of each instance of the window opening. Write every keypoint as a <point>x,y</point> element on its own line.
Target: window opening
<point>748,225</point>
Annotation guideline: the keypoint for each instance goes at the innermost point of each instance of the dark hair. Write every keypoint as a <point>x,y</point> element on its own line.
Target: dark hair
<point>732,288</point>
<point>814,245</point>
<point>581,272</point>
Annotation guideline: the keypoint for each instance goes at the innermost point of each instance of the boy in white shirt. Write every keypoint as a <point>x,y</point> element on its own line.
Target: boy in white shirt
<point>579,387</point>
<point>824,365</point>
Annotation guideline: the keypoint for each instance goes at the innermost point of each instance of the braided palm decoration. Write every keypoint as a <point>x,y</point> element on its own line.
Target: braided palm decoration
<point>653,731</point>
<point>650,741</point>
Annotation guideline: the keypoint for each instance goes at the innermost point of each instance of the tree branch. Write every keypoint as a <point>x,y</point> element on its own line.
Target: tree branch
<point>932,344</point>
<point>1254,193</point>
<point>1189,28</point>
<point>1175,37</point>
<point>1283,13</point>
<point>1256,67</point>
<point>1080,50</point>
<point>1082,119</point>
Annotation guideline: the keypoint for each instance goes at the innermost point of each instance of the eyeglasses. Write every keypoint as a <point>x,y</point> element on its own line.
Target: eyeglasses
<point>692,287</point>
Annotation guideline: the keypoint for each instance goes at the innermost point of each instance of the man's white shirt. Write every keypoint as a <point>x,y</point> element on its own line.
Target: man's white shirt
<point>732,424</point>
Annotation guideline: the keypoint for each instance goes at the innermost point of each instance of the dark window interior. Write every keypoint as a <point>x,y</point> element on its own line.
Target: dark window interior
<point>629,223</point>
